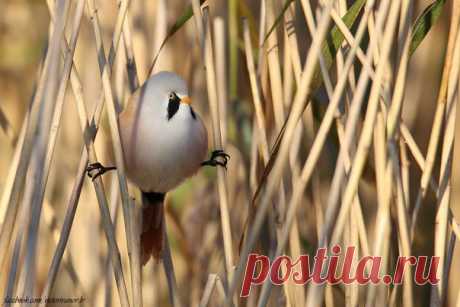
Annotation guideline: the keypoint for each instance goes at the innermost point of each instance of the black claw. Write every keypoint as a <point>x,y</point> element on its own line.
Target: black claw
<point>215,161</point>
<point>99,168</point>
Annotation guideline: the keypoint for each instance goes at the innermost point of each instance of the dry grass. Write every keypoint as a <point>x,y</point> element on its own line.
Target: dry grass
<point>349,142</point>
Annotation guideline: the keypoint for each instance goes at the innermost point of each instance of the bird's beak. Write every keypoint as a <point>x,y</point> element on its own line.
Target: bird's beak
<point>186,99</point>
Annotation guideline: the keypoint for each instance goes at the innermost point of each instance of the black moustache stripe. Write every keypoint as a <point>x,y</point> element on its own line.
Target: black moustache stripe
<point>173,106</point>
<point>193,113</point>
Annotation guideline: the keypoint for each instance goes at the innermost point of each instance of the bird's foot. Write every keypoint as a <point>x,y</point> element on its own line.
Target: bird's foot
<point>94,170</point>
<point>218,157</point>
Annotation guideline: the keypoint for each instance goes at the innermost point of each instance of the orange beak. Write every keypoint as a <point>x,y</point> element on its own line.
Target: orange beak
<point>186,99</point>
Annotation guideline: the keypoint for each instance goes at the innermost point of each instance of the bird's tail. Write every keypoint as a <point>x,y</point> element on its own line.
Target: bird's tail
<point>152,226</point>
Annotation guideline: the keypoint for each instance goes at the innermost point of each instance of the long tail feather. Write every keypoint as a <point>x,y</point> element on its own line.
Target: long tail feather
<point>152,226</point>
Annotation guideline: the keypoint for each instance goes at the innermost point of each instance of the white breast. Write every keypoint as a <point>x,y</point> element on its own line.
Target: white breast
<point>161,153</point>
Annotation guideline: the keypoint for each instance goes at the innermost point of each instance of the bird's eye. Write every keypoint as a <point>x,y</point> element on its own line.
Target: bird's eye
<point>172,96</point>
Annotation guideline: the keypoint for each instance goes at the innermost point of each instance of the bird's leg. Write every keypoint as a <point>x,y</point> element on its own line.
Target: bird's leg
<point>94,170</point>
<point>218,157</point>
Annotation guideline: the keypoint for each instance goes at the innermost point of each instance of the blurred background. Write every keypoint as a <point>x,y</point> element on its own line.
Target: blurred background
<point>193,215</point>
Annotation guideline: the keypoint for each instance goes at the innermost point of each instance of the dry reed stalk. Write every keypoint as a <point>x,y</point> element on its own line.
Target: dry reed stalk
<point>405,172</point>
<point>233,47</point>
<point>102,201</point>
<point>413,147</point>
<point>89,134</point>
<point>76,86</point>
<point>211,283</point>
<point>293,74</point>
<point>298,106</point>
<point>256,98</point>
<point>454,180</point>
<point>393,120</point>
<point>36,183</point>
<point>131,235</point>
<point>90,156</point>
<point>448,264</point>
<point>120,90</point>
<point>288,73</point>
<point>355,229</point>
<point>160,29</point>
<point>297,293</point>
<point>18,233</point>
<point>356,209</point>
<point>276,93</point>
<point>308,13</point>
<point>114,206</point>
<point>199,24</point>
<point>262,28</point>
<point>367,130</point>
<point>351,235</point>
<point>55,124</point>
<point>219,36</point>
<point>320,138</point>
<point>202,21</point>
<point>13,268</point>
<point>291,63</point>
<point>14,183</point>
<point>10,212</point>
<point>217,141</point>
<point>350,40</point>
<point>403,234</point>
<point>329,89</point>
<point>65,231</point>
<point>169,272</point>
<point>405,239</point>
<point>73,202</point>
<point>418,157</point>
<point>68,264</point>
<point>382,218</point>
<point>339,174</point>
<point>253,159</point>
<point>274,70</point>
<point>443,194</point>
<point>292,52</point>
<point>130,60</point>
<point>17,172</point>
<point>438,117</point>
<point>133,80</point>
<point>261,127</point>
<point>291,45</point>
<point>384,95</point>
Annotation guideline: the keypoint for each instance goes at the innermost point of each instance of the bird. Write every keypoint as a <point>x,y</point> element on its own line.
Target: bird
<point>164,142</point>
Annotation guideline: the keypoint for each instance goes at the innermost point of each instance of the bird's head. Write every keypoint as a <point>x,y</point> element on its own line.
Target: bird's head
<point>172,92</point>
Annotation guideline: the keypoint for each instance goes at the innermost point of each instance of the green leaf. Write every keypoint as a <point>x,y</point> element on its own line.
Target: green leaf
<point>278,19</point>
<point>335,39</point>
<point>424,23</point>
